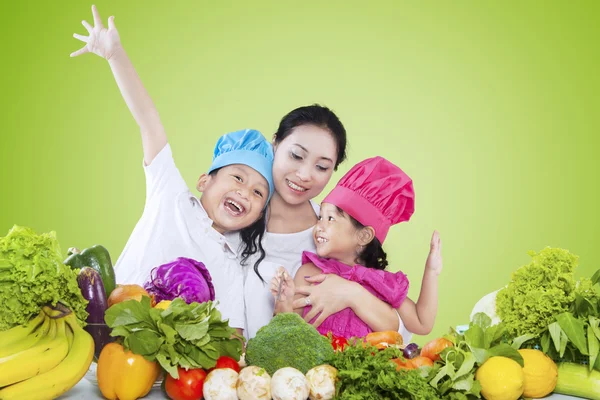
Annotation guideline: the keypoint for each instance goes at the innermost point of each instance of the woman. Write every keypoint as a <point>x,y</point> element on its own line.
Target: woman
<point>309,145</point>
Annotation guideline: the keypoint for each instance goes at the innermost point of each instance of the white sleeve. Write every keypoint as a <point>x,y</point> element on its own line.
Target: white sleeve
<point>231,303</point>
<point>406,335</point>
<point>162,176</point>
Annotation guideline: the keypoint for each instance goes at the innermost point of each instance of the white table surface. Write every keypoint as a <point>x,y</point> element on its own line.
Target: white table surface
<point>84,390</point>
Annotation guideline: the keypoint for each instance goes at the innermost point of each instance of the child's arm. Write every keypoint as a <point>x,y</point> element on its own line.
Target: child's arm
<point>334,293</point>
<point>107,44</point>
<point>420,317</point>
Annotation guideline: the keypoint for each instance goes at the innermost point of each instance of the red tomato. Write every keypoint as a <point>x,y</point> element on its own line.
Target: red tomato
<point>338,342</point>
<point>227,362</point>
<point>188,386</point>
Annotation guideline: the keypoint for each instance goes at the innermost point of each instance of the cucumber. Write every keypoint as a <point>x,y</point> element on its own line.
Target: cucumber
<point>578,380</point>
<point>92,289</point>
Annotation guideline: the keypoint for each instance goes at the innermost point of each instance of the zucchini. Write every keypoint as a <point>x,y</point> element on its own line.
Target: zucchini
<point>578,380</point>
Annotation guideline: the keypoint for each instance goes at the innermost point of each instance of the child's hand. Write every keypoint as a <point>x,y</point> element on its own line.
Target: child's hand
<point>101,41</point>
<point>282,286</point>
<point>434,259</point>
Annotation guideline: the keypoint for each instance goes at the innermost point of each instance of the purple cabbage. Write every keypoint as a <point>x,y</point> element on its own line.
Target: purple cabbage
<point>185,278</point>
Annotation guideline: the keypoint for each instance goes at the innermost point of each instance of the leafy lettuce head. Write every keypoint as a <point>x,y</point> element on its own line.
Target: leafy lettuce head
<point>538,292</point>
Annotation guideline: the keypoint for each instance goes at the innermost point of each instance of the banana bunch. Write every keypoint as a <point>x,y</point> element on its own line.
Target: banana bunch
<point>45,358</point>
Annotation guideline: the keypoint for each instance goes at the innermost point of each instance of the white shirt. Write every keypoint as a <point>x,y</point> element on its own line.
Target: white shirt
<point>282,249</point>
<point>174,224</point>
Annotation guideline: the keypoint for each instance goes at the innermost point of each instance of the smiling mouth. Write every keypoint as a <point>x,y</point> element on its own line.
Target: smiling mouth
<point>295,187</point>
<point>234,208</point>
<point>321,240</point>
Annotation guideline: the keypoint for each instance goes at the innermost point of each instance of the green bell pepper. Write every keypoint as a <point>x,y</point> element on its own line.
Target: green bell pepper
<point>96,257</point>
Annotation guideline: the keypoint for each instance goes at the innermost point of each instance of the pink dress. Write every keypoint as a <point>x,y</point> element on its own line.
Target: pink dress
<point>387,286</point>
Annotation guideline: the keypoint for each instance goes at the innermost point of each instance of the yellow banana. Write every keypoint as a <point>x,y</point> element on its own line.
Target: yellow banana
<point>69,332</point>
<point>28,341</point>
<point>37,348</point>
<point>38,359</point>
<point>10,336</point>
<point>61,378</point>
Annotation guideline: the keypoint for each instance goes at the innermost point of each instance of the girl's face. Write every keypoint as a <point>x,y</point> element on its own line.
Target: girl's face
<point>303,163</point>
<point>234,198</point>
<point>336,236</point>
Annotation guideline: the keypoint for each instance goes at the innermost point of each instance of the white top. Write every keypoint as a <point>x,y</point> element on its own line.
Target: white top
<point>174,224</point>
<point>282,249</point>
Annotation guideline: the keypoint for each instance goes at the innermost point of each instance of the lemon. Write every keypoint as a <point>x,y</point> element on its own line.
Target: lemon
<point>163,305</point>
<point>501,379</point>
<point>540,373</point>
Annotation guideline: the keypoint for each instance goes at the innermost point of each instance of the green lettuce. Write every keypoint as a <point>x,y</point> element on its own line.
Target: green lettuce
<point>32,274</point>
<point>541,290</point>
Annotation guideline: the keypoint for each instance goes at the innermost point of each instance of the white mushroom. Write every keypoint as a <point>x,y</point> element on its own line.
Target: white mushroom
<point>289,384</point>
<point>220,384</point>
<point>254,383</point>
<point>321,380</point>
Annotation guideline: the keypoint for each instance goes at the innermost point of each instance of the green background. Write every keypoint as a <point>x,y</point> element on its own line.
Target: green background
<point>491,107</point>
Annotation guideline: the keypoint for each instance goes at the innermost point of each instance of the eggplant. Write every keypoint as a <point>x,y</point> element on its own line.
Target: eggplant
<point>92,289</point>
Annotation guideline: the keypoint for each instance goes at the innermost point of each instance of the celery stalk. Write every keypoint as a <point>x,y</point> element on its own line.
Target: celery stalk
<point>578,380</point>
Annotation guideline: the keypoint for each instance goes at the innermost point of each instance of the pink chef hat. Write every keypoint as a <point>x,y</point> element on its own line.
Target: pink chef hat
<point>376,193</point>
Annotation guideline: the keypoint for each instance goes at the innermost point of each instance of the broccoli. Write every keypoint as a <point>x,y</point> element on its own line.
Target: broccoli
<point>288,341</point>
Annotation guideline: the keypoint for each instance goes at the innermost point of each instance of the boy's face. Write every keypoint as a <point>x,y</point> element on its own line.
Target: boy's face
<point>234,197</point>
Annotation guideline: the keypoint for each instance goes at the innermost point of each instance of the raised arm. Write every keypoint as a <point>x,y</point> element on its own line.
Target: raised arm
<point>106,43</point>
<point>420,317</point>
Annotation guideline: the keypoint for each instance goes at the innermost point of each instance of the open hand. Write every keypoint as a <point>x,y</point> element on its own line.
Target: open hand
<point>101,41</point>
<point>434,259</point>
<point>328,295</point>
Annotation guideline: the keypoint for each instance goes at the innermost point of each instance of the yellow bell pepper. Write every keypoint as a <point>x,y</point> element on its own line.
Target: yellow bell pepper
<point>124,375</point>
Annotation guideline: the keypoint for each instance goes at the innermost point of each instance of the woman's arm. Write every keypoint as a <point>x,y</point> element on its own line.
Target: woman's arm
<point>106,43</point>
<point>419,318</point>
<point>334,293</point>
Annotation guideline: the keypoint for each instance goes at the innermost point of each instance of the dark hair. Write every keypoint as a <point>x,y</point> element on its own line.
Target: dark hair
<point>316,115</point>
<point>372,255</point>
<point>251,237</point>
<point>252,242</point>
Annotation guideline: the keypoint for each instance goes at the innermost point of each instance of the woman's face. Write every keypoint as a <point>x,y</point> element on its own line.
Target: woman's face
<point>303,164</point>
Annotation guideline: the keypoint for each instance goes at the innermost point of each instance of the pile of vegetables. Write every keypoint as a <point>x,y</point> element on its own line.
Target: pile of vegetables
<point>364,372</point>
<point>182,335</point>
<point>32,275</point>
<point>545,307</point>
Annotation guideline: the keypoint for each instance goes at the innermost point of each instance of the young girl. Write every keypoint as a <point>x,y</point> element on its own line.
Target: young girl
<point>175,223</point>
<point>354,221</point>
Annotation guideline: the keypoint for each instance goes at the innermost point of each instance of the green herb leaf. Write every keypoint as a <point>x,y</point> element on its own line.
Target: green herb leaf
<point>482,320</point>
<point>518,342</point>
<point>545,342</point>
<point>192,332</point>
<point>145,343</point>
<point>506,350</point>
<point>596,277</point>
<point>555,333</point>
<point>593,346</point>
<point>474,336</point>
<point>574,329</point>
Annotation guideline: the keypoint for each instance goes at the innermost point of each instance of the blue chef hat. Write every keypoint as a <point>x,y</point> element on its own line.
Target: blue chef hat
<point>248,147</point>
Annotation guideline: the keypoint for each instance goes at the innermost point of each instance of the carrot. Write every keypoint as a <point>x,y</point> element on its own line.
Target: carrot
<point>421,361</point>
<point>384,339</point>
<point>433,349</point>
<point>412,363</point>
<point>402,364</point>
